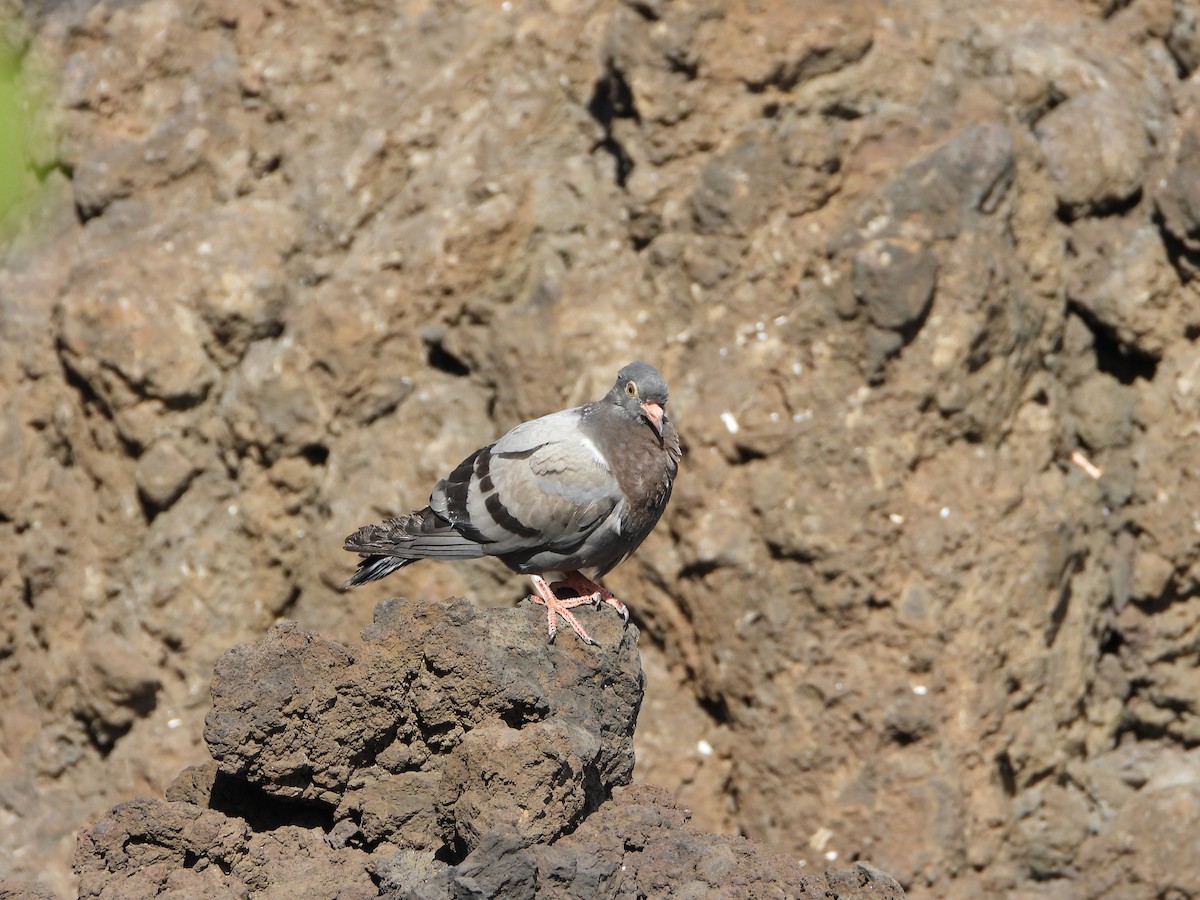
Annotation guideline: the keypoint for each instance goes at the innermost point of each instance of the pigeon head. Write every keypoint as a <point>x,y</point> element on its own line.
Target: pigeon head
<point>641,393</point>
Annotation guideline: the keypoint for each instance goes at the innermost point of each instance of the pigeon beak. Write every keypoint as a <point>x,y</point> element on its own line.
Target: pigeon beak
<point>654,413</point>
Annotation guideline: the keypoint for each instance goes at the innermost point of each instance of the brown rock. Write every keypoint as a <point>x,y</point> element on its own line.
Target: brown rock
<point>1178,196</point>
<point>163,473</point>
<point>142,844</point>
<point>401,808</point>
<point>24,890</point>
<point>305,718</point>
<point>1097,150</point>
<point>273,401</point>
<point>461,752</point>
<point>497,776</point>
<point>120,686</point>
<point>1184,39</point>
<point>1150,849</point>
<point>1121,276</point>
<point>939,194</point>
<point>736,189</point>
<point>637,841</point>
<point>127,342</point>
<point>781,45</point>
<point>894,279</point>
<point>11,453</point>
<point>235,259</point>
<point>1104,412</point>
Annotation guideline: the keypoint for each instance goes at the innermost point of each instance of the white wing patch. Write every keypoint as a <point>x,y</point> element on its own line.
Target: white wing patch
<point>594,450</point>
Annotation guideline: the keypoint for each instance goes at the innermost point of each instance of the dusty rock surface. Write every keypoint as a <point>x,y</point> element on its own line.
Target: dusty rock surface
<point>451,753</point>
<point>922,277</point>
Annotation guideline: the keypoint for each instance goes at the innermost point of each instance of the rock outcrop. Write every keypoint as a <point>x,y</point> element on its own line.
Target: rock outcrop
<point>453,752</point>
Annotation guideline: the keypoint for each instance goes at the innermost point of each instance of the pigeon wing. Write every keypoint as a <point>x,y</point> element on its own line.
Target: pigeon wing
<point>543,486</point>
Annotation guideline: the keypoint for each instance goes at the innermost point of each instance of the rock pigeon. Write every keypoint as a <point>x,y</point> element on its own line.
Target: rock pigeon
<point>572,491</point>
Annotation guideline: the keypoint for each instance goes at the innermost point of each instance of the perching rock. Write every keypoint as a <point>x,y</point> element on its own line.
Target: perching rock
<point>452,752</point>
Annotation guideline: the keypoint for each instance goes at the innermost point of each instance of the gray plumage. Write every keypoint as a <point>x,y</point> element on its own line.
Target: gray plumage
<point>575,490</point>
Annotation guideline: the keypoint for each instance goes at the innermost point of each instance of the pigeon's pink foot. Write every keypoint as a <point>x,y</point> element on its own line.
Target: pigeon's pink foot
<point>558,607</point>
<point>594,592</point>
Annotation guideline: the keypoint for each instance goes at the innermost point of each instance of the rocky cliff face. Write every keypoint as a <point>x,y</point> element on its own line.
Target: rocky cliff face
<point>922,277</point>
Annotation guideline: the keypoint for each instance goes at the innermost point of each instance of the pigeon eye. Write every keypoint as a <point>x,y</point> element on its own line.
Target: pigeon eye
<point>631,388</point>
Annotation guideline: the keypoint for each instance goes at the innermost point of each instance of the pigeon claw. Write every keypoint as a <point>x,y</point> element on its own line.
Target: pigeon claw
<point>597,593</point>
<point>557,606</point>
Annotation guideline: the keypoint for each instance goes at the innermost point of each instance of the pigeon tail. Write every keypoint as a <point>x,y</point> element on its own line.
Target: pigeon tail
<point>372,568</point>
<point>401,540</point>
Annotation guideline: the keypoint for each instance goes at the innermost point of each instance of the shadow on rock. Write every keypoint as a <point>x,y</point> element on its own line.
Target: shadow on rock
<point>451,753</point>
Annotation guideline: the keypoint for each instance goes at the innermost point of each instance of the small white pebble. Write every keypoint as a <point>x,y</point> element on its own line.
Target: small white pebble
<point>802,416</point>
<point>774,417</point>
<point>174,723</point>
<point>797,368</point>
<point>724,351</point>
<point>920,690</point>
<point>944,512</point>
<point>837,686</point>
<point>233,509</point>
<point>762,335</point>
<point>831,855</point>
<point>730,422</point>
<point>896,519</point>
<point>704,748</point>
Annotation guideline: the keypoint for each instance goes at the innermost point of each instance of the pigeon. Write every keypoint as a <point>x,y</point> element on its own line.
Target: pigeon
<point>574,491</point>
